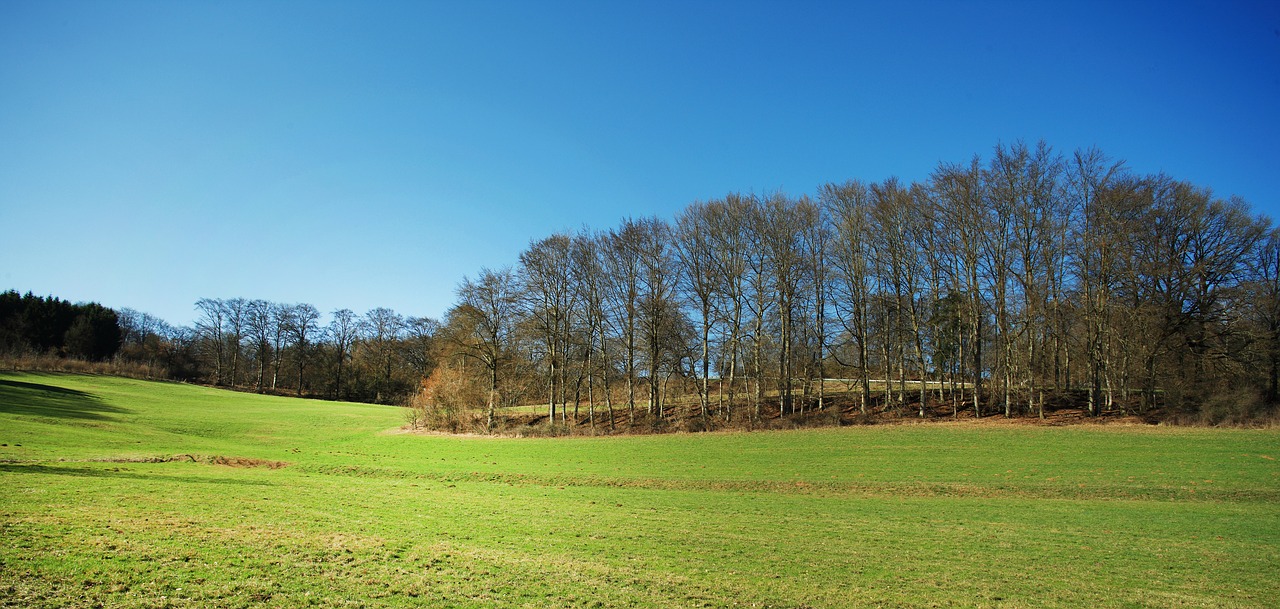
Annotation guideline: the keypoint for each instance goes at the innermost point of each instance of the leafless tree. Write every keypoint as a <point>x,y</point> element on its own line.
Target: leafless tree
<point>342,332</point>
<point>729,239</point>
<point>483,324</point>
<point>902,270</point>
<point>1263,303</point>
<point>281,322</point>
<point>656,301</point>
<point>622,297</point>
<point>1098,190</point>
<point>237,317</point>
<point>781,232</point>
<point>382,329</point>
<point>696,257</point>
<point>419,345</point>
<point>849,206</point>
<point>995,283</point>
<point>303,327</point>
<point>959,196</point>
<point>546,275</point>
<point>816,236</point>
<point>590,281</point>
<point>260,324</point>
<point>760,294</point>
<point>212,328</point>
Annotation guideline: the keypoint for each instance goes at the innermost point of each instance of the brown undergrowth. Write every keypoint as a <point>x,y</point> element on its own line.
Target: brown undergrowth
<point>51,363</point>
<point>837,411</point>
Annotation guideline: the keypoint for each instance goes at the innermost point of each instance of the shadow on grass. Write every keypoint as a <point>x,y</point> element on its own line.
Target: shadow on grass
<point>119,473</point>
<point>42,400</point>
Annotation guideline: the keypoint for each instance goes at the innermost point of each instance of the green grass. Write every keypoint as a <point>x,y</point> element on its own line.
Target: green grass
<point>941,515</point>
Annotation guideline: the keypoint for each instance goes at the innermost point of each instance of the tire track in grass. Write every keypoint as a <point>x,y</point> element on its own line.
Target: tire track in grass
<point>879,490</point>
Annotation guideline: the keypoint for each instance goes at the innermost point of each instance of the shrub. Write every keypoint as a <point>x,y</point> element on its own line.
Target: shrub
<point>449,400</point>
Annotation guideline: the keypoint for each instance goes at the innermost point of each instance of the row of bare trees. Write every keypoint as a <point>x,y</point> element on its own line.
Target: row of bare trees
<point>271,347</point>
<point>1003,285</point>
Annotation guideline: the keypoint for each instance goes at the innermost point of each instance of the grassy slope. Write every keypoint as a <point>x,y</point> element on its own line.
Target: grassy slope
<point>910,516</point>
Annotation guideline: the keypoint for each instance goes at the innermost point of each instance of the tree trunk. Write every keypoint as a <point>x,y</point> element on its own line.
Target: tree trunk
<point>493,394</point>
<point>977,358</point>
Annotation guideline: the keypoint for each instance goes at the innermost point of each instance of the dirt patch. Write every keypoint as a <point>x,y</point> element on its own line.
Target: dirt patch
<point>246,462</point>
<point>206,459</point>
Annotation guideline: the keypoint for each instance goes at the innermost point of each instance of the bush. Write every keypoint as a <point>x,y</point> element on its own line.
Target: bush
<point>449,400</point>
<point>1239,408</point>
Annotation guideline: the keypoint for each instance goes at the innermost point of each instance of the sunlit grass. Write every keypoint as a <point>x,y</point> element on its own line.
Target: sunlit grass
<point>903,516</point>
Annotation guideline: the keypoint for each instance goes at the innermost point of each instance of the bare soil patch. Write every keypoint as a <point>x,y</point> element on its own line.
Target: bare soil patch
<point>206,459</point>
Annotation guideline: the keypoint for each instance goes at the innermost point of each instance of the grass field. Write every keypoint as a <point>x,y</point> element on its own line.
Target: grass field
<point>122,493</point>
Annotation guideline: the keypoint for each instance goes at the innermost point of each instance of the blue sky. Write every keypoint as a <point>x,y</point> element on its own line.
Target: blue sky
<point>364,154</point>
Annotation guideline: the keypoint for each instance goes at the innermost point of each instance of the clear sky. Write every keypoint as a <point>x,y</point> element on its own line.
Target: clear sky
<point>364,154</point>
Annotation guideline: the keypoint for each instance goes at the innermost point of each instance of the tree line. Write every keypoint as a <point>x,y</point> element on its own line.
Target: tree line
<point>1027,281</point>
<point>51,325</point>
<point>264,346</point>
<point>256,345</point>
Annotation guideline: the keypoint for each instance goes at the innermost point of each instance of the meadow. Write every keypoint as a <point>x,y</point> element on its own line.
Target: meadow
<point>126,493</point>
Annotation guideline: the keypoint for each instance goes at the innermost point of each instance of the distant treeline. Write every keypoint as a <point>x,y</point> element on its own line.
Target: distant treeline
<point>38,324</point>
<point>247,344</point>
<point>380,356</point>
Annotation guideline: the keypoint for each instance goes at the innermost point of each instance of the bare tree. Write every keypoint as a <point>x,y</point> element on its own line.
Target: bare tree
<point>656,299</point>
<point>698,284</point>
<point>994,283</point>
<point>281,322</point>
<point>849,205</point>
<point>959,194</point>
<point>419,345</point>
<point>343,331</point>
<point>487,311</point>
<point>760,298</point>
<point>1005,178</point>
<point>212,329</point>
<point>816,236</point>
<point>303,326</point>
<point>590,282</point>
<point>897,217</point>
<point>237,316</point>
<point>383,328</point>
<point>729,237</point>
<point>260,324</point>
<point>781,231</point>
<point>1037,251</point>
<point>140,336</point>
<point>1200,246</point>
<point>1095,186</point>
<point>622,298</point>
<point>546,275</point>
<point>1264,306</point>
